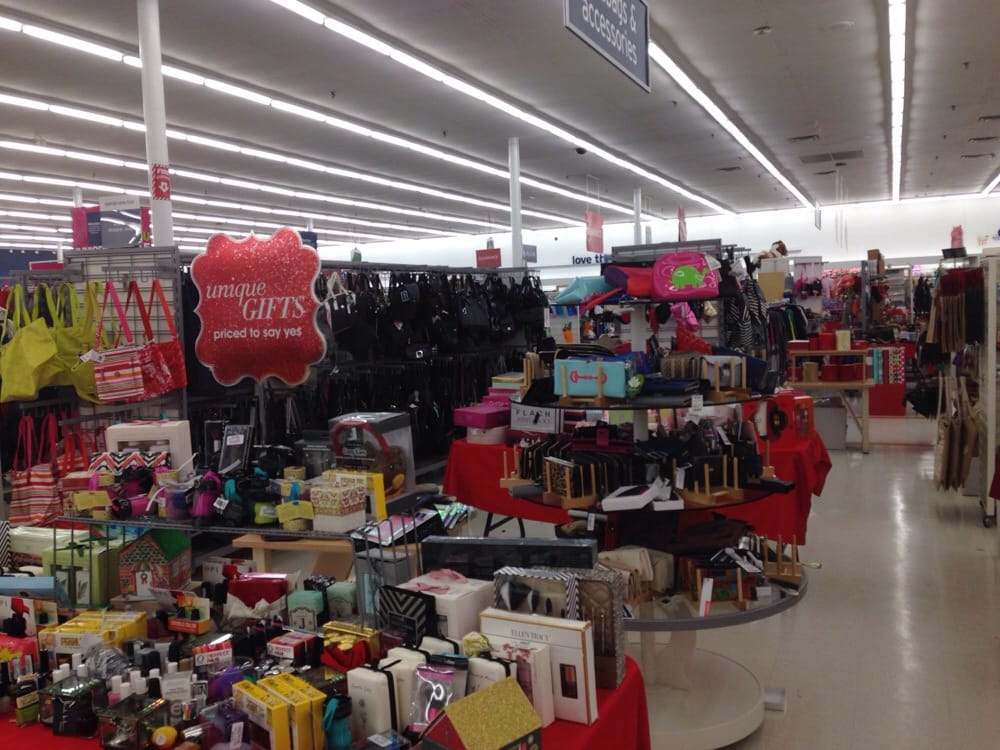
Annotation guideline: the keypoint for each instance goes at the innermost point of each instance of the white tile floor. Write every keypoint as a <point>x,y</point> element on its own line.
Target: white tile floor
<point>897,644</point>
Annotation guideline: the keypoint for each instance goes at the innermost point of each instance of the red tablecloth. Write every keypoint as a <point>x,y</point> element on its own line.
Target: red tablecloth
<point>473,474</point>
<point>806,463</point>
<point>623,721</point>
<point>39,736</point>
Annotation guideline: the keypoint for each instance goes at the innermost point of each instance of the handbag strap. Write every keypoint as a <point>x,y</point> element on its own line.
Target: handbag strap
<point>156,290</point>
<point>16,311</point>
<point>25,443</point>
<point>135,293</point>
<point>67,300</point>
<point>109,291</point>
<point>48,433</point>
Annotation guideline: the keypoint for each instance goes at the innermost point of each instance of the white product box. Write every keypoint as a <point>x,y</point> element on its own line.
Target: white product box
<point>403,663</point>
<point>211,567</point>
<point>533,670</point>
<point>457,608</point>
<point>373,701</point>
<point>173,435</point>
<point>571,650</point>
<point>483,672</point>
<point>339,524</point>
<point>535,418</point>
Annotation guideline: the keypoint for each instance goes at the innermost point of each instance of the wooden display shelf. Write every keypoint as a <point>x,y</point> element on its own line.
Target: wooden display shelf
<point>835,385</point>
<point>829,352</point>
<point>333,556</point>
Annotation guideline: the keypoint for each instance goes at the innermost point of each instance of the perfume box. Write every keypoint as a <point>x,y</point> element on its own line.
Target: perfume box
<point>485,671</point>
<point>571,650</point>
<point>316,699</point>
<point>533,671</point>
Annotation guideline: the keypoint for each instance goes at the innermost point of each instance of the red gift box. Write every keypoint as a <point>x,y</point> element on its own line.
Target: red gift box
<point>830,373</point>
<point>797,345</point>
<point>859,344</point>
<point>827,340</point>
<point>813,343</point>
<point>250,588</point>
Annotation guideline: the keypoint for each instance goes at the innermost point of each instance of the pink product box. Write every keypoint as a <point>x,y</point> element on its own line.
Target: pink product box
<point>482,416</point>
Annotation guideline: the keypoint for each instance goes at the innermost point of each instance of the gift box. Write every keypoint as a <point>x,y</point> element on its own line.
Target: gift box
<point>294,472</point>
<point>285,683</point>
<point>300,713</point>
<point>827,340</point>
<point>797,345</point>
<point>458,600</point>
<point>498,717</point>
<point>572,657</point>
<point>298,648</point>
<point>11,648</point>
<point>269,716</point>
<point>830,373</point>
<point>159,558</point>
<point>482,416</point>
<point>257,596</point>
<point>88,571</point>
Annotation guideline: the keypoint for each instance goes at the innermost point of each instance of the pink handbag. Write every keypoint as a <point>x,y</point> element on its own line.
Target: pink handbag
<point>684,275</point>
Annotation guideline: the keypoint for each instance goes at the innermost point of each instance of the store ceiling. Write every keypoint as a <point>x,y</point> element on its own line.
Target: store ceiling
<point>822,70</point>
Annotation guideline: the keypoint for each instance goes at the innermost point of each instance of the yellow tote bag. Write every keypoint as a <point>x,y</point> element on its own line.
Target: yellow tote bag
<point>26,355</point>
<point>74,335</point>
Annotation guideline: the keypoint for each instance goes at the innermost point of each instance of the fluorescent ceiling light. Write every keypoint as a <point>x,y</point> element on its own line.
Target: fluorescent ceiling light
<point>9,24</point>
<point>26,228</point>
<point>83,114</point>
<point>671,68</point>
<point>340,123</point>
<point>302,9</point>
<point>245,184</point>
<point>73,42</point>
<point>337,171</point>
<point>897,87</point>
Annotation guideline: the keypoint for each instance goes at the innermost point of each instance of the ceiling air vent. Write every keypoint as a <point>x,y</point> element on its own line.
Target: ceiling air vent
<point>835,156</point>
<point>728,169</point>
<point>989,118</point>
<point>982,138</point>
<point>978,156</point>
<point>804,138</point>
<point>826,172</point>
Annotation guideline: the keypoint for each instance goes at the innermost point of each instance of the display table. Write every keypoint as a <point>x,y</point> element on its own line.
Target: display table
<point>473,474</point>
<point>623,720</point>
<point>703,700</point>
<point>806,463</point>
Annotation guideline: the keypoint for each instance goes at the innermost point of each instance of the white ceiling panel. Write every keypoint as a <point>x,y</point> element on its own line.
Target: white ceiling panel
<point>821,70</point>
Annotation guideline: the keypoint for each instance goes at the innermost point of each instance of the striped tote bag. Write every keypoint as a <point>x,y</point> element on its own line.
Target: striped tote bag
<point>34,495</point>
<point>118,371</point>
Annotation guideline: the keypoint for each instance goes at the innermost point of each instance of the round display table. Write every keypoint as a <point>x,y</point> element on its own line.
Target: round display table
<point>700,700</point>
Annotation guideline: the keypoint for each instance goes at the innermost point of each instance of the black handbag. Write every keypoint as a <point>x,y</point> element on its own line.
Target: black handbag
<point>531,302</point>
<point>473,308</point>
<point>404,296</point>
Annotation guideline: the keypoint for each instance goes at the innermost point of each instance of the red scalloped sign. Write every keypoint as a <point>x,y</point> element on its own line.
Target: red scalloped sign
<point>257,307</point>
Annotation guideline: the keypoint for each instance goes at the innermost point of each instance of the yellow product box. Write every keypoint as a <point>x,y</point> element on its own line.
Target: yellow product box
<point>300,713</point>
<point>316,698</point>
<point>88,628</point>
<point>294,472</point>
<point>269,722</point>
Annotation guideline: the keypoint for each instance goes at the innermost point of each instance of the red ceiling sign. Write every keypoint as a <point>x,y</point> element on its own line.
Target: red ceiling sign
<point>258,308</point>
<point>488,258</point>
<point>595,231</point>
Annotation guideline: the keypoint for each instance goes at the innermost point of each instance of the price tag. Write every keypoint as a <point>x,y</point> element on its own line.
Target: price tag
<point>235,439</point>
<point>679,476</point>
<point>220,504</point>
<point>236,736</point>
<point>591,519</point>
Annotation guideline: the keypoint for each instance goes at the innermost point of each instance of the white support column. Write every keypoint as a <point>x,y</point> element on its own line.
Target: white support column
<point>77,196</point>
<point>155,116</point>
<point>514,166</point>
<point>637,215</point>
<point>309,224</point>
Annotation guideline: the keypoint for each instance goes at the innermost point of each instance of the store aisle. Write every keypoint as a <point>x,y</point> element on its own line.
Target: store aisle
<point>897,644</point>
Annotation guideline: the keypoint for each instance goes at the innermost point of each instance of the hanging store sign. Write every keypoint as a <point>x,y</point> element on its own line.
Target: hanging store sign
<point>617,29</point>
<point>488,257</point>
<point>257,308</point>
<point>595,231</point>
<point>530,253</point>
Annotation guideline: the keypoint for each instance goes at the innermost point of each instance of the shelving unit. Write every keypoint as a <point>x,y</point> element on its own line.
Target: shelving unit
<point>861,420</point>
